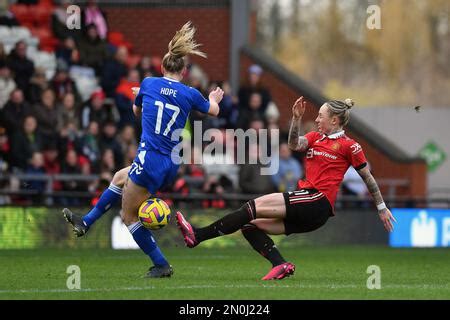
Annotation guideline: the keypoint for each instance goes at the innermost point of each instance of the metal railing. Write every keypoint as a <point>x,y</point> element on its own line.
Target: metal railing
<point>47,194</point>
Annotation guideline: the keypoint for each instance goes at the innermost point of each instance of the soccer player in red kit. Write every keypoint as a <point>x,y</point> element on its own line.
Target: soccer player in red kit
<point>329,154</point>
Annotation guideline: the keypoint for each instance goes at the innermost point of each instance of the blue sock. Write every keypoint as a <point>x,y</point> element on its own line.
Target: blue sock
<point>108,198</point>
<point>144,239</point>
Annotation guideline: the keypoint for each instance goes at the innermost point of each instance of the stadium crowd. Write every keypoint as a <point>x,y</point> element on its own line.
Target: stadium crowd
<point>48,126</point>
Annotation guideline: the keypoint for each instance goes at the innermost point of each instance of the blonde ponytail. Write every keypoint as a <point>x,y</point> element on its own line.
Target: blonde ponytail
<point>341,109</point>
<point>181,45</point>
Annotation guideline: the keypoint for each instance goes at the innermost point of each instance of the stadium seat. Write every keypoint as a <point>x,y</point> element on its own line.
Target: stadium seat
<point>46,40</point>
<point>20,33</point>
<point>23,14</point>
<point>115,38</point>
<point>4,32</point>
<point>42,15</point>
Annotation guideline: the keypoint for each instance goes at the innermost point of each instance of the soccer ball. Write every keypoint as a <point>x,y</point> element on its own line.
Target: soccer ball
<point>154,213</point>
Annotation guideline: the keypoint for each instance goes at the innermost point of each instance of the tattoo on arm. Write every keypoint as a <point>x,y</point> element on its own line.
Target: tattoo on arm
<point>295,141</point>
<point>371,184</point>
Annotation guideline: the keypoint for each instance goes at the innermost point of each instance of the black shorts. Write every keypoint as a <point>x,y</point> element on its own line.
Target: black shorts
<point>306,210</point>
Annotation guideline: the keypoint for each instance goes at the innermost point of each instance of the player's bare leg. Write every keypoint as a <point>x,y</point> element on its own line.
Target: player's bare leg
<point>133,196</point>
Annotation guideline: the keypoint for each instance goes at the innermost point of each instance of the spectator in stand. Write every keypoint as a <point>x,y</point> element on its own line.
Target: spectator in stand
<point>63,84</point>
<point>38,83</point>
<point>46,114</point>
<point>130,154</point>
<point>90,146</point>
<point>256,123</point>
<point>93,50</point>
<point>7,84</point>
<point>250,179</point>
<point>148,67</point>
<point>7,18</point>
<point>289,171</point>
<point>26,142</point>
<point>254,85</point>
<point>272,114</point>
<point>3,55</point>
<point>108,140</point>
<point>95,110</point>
<point>125,98</point>
<point>59,22</point>
<point>14,112</point>
<point>68,111</point>
<point>108,163</point>
<point>52,163</point>
<point>254,110</point>
<point>92,14</point>
<point>36,168</point>
<point>22,67</point>
<point>114,70</point>
<point>229,112</point>
<point>127,138</point>
<point>71,166</point>
<point>69,138</point>
<point>67,53</point>
<point>5,151</point>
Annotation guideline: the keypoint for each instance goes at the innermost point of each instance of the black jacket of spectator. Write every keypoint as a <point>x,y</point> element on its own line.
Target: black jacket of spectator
<point>23,147</point>
<point>93,53</point>
<point>113,71</point>
<point>23,69</point>
<point>251,181</point>
<point>47,120</point>
<point>12,116</point>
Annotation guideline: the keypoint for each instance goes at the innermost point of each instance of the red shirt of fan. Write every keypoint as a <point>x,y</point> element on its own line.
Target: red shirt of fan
<point>327,160</point>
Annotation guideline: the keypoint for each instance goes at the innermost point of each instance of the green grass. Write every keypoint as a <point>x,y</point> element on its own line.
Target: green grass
<point>322,273</point>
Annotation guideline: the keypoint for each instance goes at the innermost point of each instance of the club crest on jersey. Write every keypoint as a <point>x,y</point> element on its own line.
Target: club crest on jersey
<point>335,146</point>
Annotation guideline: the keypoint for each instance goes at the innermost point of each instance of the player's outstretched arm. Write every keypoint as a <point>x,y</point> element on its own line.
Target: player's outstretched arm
<point>215,97</point>
<point>297,142</point>
<point>383,212</point>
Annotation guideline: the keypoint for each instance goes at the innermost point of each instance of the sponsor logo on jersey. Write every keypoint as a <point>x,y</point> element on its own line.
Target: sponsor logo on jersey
<point>311,153</point>
<point>355,148</point>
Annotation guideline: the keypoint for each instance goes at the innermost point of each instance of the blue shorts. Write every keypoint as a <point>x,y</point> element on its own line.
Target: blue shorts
<point>152,170</point>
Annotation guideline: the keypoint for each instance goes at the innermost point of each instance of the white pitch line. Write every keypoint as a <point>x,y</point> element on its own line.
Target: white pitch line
<point>337,286</point>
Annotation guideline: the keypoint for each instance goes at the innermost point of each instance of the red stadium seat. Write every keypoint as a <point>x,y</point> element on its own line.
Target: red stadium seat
<point>46,40</point>
<point>115,38</point>
<point>42,15</point>
<point>23,14</point>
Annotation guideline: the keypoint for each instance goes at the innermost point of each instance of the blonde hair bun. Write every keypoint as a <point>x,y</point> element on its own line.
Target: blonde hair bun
<point>349,103</point>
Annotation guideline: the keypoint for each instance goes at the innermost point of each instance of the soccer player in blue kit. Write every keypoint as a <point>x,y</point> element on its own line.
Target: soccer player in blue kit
<point>164,105</point>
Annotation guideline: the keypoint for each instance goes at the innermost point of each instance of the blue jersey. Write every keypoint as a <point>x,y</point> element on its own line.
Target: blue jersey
<point>166,104</point>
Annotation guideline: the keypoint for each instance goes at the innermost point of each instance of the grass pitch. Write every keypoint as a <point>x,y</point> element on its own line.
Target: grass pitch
<point>321,273</point>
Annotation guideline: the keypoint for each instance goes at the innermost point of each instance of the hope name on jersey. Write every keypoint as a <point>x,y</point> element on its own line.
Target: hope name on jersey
<point>327,160</point>
<point>166,104</point>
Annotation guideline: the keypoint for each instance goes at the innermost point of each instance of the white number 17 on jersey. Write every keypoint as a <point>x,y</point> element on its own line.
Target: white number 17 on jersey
<point>169,106</point>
